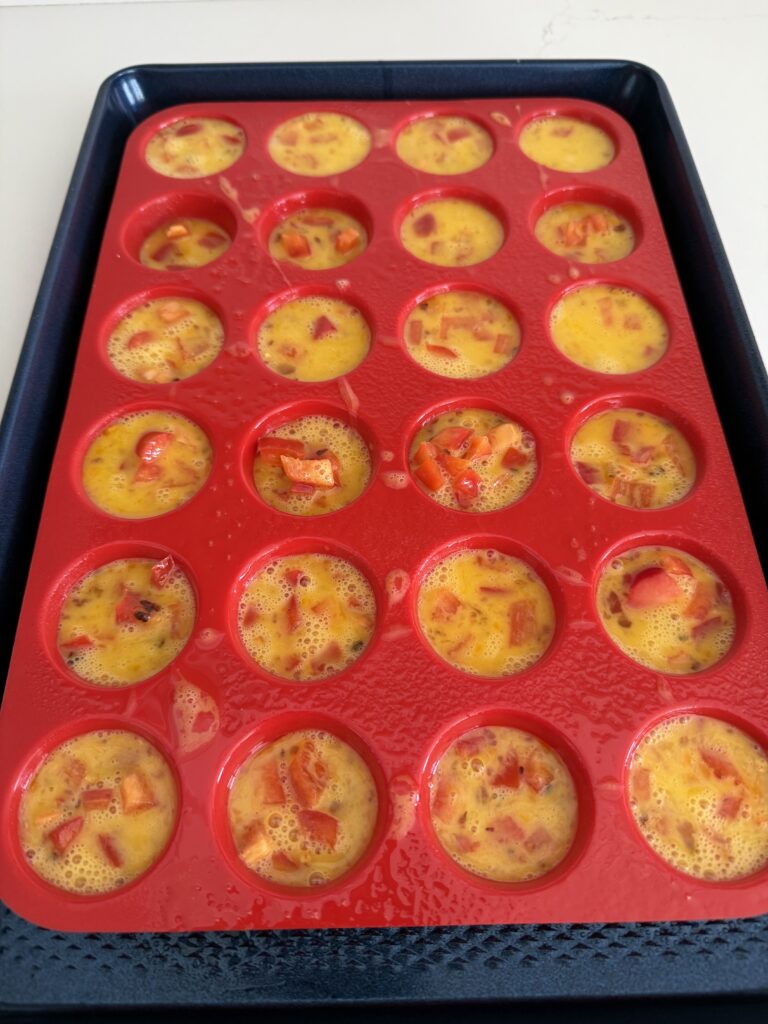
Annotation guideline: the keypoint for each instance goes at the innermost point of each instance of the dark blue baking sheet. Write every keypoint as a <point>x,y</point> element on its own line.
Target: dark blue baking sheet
<point>42,972</point>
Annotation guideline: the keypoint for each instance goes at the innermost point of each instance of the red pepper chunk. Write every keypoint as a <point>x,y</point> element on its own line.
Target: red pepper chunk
<point>111,852</point>
<point>456,134</point>
<point>503,344</point>
<point>211,240</point>
<point>430,475</point>
<point>308,775</point>
<point>272,786</point>
<point>424,225</point>
<point>719,765</point>
<point>507,830</point>
<point>282,862</point>
<point>675,565</point>
<point>320,827</point>
<point>331,654</point>
<point>446,605</point>
<point>323,327</point>
<point>164,253</point>
<point>523,626</point>
<point>509,774</point>
<point>442,350</point>
<point>139,339</point>
<point>296,245</point>
<point>452,465</point>
<point>65,834</point>
<point>537,840</point>
<point>621,430</point>
<point>537,775</point>
<point>271,448</point>
<point>346,240</point>
<point>147,472</point>
<point>79,641</point>
<point>96,799</point>
<point>479,447</point>
<point>465,844</point>
<point>652,587</point>
<point>127,606</point>
<point>188,129</point>
<point>705,628</point>
<point>466,487</point>
<point>152,445</point>
<point>317,472</point>
<point>701,602</point>
<point>452,439</point>
<point>293,613</point>
<point>162,571</point>
<point>729,806</point>
<point>473,742</point>
<point>442,802</point>
<point>589,474</point>
<point>641,784</point>
<point>136,793</point>
<point>513,458</point>
<point>415,332</point>
<point>423,452</point>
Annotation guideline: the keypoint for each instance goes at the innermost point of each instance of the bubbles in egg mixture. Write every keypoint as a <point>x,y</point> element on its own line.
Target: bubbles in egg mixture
<point>307,617</point>
<point>117,626</point>
<point>165,340</point>
<point>321,436</point>
<point>698,791</point>
<point>302,810</point>
<point>486,613</point>
<point>81,787</point>
<point>195,147</point>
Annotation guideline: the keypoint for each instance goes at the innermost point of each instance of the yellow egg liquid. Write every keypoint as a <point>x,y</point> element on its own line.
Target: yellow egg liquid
<point>461,334</point>
<point>123,623</point>
<point>566,144</point>
<point>451,233</point>
<point>307,617</point>
<point>608,329</point>
<point>302,810</point>
<point>165,340</point>
<point>498,485</point>
<point>318,239</point>
<point>666,610</point>
<point>698,790</point>
<point>585,233</point>
<point>486,613</point>
<point>634,459</point>
<point>321,436</point>
<point>116,794</point>
<point>314,338</point>
<point>145,464</point>
<point>183,243</point>
<point>319,144</point>
<point>195,147</point>
<point>503,804</point>
<point>444,145</point>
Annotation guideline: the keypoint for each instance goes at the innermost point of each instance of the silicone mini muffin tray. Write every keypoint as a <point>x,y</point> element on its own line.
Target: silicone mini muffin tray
<point>398,704</point>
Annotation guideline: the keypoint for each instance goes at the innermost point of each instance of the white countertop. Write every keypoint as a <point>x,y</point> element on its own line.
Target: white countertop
<point>54,55</point>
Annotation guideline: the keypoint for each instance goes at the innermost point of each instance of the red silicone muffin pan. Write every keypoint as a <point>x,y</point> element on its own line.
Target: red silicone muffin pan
<point>399,705</point>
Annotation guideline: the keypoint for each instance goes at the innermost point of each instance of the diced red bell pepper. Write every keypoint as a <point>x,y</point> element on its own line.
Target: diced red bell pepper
<point>641,784</point>
<point>162,571</point>
<point>282,862</point>
<point>471,743</point>
<point>212,240</point>
<point>643,455</point>
<point>507,829</point>
<point>719,765</point>
<point>296,577</point>
<point>621,431</point>
<point>320,827</point>
<point>231,140</point>
<point>127,606</point>
<point>456,134</point>
<point>589,474</point>
<point>504,343</point>
<point>188,129</point>
<point>424,225</point>
<point>466,487</point>
<point>598,222</point>
<point>317,472</point>
<point>65,834</point>
<point>272,786</point>
<point>74,771</point>
<point>292,613</point>
<point>605,305</point>
<point>255,845</point>
<point>537,775</point>
<point>675,565</point>
<point>78,641</point>
<point>708,626</point>
<point>479,447</point>
<point>634,322</point>
<point>513,458</point>
<point>465,843</point>
<point>652,587</point>
<point>430,475</point>
<point>151,446</point>
<point>685,830</point>
<point>296,245</point>
<point>506,435</point>
<point>111,852</point>
<point>523,626</point>
<point>331,654</point>
<point>323,327</point>
<point>453,465</point>
<point>729,806</point>
<point>640,495</point>
<point>164,253</point>
<point>537,840</point>
<point>136,793</point>
<point>426,450</point>
<point>456,323</point>
<point>701,601</point>
<point>442,802</point>
<point>271,448</point>
<point>509,773</point>
<point>446,605</point>
<point>442,350</point>
<point>308,774</point>
<point>316,220</point>
<point>452,439</point>
<point>415,332</point>
<point>139,339</point>
<point>96,799</point>
<point>299,488</point>
<point>346,240</point>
